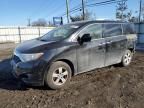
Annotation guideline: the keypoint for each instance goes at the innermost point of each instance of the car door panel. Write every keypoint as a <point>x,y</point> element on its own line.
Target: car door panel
<point>115,46</point>
<point>91,55</point>
<point>115,43</point>
<point>97,54</point>
<point>83,57</point>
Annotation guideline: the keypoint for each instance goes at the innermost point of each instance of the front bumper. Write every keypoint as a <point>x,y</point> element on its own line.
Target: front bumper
<point>31,73</point>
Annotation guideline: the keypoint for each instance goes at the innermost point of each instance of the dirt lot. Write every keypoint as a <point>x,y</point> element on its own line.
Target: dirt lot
<point>110,87</point>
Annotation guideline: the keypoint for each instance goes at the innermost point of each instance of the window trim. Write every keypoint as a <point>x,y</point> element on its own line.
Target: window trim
<point>74,36</point>
<point>92,25</point>
<point>115,35</point>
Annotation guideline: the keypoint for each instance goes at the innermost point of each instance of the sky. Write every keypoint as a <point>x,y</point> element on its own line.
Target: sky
<point>17,12</point>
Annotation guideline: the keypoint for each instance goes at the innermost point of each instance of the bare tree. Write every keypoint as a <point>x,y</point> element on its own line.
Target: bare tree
<point>88,16</point>
<point>76,18</point>
<point>121,9</point>
<point>40,22</point>
<point>124,14</point>
<point>131,18</point>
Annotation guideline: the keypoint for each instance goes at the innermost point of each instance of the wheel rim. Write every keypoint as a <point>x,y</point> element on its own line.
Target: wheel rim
<point>60,76</point>
<point>127,58</point>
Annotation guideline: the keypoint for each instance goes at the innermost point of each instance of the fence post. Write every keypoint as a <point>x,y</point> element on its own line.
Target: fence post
<point>19,33</point>
<point>39,31</point>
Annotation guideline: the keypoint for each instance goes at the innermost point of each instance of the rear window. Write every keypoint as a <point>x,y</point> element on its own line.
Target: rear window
<point>129,29</point>
<point>111,30</point>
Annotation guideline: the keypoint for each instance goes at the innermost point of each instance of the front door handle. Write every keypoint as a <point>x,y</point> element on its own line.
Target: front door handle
<point>109,42</point>
<point>101,44</point>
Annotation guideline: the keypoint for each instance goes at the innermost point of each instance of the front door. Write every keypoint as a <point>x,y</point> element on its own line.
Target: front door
<point>82,53</point>
<point>91,55</point>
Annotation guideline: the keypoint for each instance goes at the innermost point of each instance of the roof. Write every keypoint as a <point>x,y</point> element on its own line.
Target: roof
<point>97,21</point>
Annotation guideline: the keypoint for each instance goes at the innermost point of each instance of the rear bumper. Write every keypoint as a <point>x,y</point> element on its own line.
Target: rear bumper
<point>31,73</point>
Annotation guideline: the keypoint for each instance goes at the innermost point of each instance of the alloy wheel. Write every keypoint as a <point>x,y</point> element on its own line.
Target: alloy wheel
<point>127,58</point>
<point>60,76</point>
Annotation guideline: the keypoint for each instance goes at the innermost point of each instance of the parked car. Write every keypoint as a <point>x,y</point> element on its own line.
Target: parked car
<point>72,49</point>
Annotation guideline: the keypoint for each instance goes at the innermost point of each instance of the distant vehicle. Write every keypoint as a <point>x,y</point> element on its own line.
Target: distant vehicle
<point>72,49</point>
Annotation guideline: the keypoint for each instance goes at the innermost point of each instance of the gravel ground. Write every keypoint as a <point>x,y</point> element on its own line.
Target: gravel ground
<point>4,46</point>
<point>110,87</point>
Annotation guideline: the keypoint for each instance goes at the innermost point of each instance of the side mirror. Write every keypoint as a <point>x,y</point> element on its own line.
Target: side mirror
<point>84,38</point>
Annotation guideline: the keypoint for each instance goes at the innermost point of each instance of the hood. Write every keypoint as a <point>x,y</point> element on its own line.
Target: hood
<point>34,46</point>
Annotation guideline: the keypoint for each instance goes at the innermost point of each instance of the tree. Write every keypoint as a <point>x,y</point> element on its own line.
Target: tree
<point>76,18</point>
<point>124,14</point>
<point>134,19</point>
<point>88,16</point>
<point>131,18</point>
<point>40,22</point>
<point>121,9</point>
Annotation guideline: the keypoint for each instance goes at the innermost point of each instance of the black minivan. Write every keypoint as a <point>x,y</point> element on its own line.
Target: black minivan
<point>72,49</point>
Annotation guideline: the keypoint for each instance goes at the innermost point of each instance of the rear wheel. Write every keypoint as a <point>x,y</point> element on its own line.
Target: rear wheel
<point>127,58</point>
<point>58,75</point>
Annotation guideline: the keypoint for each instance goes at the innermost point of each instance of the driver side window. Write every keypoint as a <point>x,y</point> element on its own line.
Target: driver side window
<point>94,30</point>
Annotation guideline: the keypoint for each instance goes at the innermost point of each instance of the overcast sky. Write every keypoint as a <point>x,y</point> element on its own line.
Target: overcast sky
<point>16,12</point>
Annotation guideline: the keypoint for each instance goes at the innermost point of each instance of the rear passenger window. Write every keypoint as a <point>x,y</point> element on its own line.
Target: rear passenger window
<point>94,30</point>
<point>129,29</point>
<point>112,30</point>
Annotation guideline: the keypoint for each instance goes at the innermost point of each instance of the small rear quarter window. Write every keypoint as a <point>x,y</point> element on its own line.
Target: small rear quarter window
<point>129,29</point>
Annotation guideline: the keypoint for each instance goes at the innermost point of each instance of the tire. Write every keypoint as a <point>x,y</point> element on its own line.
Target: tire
<point>127,58</point>
<point>58,75</point>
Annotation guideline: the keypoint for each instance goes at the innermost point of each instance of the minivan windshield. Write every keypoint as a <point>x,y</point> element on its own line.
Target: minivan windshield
<point>60,33</point>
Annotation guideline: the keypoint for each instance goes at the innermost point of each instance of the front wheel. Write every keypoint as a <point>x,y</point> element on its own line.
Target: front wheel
<point>127,58</point>
<point>58,75</point>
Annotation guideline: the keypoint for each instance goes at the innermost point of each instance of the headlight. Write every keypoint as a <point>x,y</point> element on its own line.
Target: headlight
<point>30,57</point>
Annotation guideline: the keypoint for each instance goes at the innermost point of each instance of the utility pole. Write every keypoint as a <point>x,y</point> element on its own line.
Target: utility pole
<point>83,9</point>
<point>29,22</point>
<point>67,10</point>
<point>140,10</point>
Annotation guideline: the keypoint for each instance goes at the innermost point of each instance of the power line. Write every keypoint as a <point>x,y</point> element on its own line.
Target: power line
<point>95,4</point>
<point>75,8</point>
<point>92,5</point>
<point>101,3</point>
<point>79,7</point>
